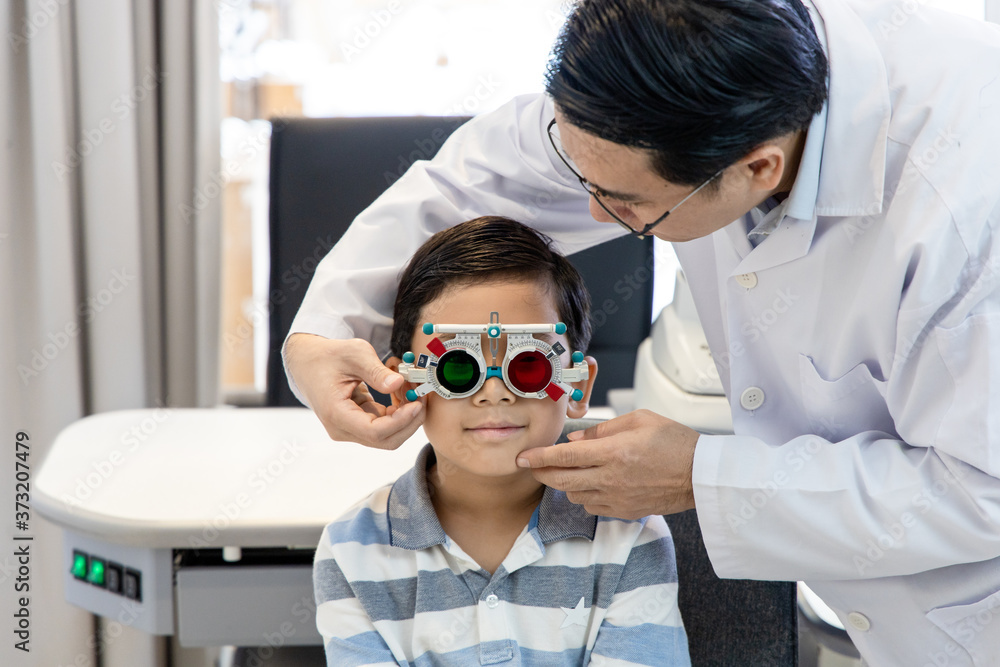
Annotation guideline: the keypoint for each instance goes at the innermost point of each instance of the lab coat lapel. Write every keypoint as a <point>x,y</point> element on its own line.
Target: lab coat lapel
<point>789,241</point>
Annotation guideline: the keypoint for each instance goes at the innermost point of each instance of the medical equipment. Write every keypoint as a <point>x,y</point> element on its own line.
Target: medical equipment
<point>456,368</point>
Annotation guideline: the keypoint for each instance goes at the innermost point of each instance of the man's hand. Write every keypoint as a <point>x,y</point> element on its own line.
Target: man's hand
<point>332,375</point>
<point>629,467</point>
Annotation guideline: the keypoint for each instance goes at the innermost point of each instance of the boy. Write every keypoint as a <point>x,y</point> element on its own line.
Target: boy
<point>467,559</point>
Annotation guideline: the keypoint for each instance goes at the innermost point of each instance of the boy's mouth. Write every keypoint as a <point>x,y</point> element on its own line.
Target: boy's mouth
<point>496,430</point>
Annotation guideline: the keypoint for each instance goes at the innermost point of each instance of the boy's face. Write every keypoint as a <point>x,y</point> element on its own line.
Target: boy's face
<point>483,433</point>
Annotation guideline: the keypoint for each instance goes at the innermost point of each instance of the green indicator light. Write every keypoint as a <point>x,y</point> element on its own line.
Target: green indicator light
<point>79,566</point>
<point>96,575</point>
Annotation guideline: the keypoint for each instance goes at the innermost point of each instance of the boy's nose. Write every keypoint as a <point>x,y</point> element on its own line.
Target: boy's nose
<point>493,392</point>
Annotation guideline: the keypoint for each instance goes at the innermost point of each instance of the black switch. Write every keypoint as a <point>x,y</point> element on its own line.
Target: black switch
<point>113,577</point>
<point>132,585</point>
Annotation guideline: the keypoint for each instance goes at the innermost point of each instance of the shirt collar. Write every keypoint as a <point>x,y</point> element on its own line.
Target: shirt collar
<point>413,523</point>
<point>801,201</point>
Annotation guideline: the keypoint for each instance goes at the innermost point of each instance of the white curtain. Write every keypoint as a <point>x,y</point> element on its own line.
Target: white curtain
<point>109,275</point>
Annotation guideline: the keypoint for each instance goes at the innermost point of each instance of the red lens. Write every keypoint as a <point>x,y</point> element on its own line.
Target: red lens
<point>529,371</point>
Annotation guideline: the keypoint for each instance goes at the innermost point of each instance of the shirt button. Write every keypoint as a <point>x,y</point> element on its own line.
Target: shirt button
<point>859,621</point>
<point>752,398</point>
<point>492,601</point>
<point>748,280</point>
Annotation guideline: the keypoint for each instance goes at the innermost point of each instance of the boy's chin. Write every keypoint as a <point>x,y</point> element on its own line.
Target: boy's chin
<point>499,467</point>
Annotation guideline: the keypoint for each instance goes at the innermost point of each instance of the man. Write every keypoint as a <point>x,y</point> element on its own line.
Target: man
<point>852,308</point>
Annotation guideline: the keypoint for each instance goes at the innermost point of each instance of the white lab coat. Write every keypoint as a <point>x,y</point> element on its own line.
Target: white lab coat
<point>866,459</point>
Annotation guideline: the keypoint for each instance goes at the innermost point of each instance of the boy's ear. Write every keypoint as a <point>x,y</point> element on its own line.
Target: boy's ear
<point>577,409</point>
<point>398,396</point>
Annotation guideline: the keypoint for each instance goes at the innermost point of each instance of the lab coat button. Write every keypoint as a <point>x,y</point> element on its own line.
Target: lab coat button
<point>748,280</point>
<point>859,621</point>
<point>752,398</point>
<point>492,601</point>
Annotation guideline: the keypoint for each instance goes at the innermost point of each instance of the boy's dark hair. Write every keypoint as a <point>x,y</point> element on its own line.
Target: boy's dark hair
<point>699,83</point>
<point>485,249</point>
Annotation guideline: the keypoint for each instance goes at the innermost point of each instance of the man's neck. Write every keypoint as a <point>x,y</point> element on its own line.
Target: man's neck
<point>794,146</point>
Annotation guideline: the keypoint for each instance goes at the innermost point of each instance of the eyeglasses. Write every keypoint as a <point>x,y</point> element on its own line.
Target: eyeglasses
<point>595,192</point>
<point>457,368</point>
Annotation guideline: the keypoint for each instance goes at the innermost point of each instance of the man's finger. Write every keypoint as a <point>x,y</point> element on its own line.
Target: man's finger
<point>361,361</point>
<point>567,455</point>
<point>374,408</point>
<point>607,428</point>
<point>570,480</point>
<point>383,432</point>
<point>385,380</point>
<point>363,398</point>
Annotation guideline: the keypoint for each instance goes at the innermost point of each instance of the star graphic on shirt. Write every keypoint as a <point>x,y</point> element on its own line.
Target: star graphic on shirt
<point>576,616</point>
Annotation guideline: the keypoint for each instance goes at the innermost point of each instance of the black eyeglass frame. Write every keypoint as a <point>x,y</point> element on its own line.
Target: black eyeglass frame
<point>592,191</point>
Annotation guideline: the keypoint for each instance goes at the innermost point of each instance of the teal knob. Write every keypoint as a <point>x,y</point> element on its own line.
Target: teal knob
<point>411,395</point>
<point>408,357</point>
<point>428,328</point>
<point>577,394</point>
<point>577,357</point>
<point>493,332</point>
<point>560,328</point>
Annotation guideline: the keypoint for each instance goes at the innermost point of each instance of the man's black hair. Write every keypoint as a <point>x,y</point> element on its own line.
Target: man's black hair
<point>485,249</point>
<point>700,83</point>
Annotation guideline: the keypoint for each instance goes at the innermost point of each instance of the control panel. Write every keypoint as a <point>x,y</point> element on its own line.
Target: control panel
<point>107,574</point>
<point>132,586</point>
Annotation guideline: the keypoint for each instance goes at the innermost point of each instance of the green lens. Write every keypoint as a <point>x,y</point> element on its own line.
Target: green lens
<point>458,371</point>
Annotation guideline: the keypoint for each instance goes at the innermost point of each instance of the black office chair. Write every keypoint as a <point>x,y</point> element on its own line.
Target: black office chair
<point>325,171</point>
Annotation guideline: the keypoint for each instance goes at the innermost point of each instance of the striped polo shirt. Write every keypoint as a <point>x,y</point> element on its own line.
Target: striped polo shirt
<point>393,589</point>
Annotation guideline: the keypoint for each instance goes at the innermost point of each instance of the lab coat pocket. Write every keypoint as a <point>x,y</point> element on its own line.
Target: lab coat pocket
<point>974,627</point>
<point>842,407</point>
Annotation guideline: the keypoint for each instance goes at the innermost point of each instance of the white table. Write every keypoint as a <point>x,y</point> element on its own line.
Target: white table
<point>216,510</point>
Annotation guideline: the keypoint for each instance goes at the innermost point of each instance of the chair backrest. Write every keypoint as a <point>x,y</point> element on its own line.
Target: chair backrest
<point>731,621</point>
<point>324,171</point>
